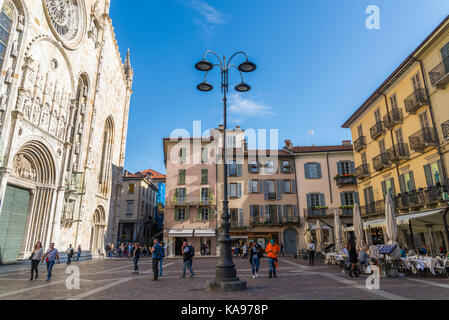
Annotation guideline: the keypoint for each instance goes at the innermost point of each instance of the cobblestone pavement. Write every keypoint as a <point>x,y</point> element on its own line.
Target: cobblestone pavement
<point>113,279</point>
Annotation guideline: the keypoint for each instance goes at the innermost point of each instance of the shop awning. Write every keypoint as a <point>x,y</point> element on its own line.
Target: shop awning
<point>419,221</point>
<point>238,237</point>
<point>204,233</point>
<point>180,233</point>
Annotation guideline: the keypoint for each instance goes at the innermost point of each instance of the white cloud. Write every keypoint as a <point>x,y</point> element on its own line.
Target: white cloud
<point>207,17</point>
<point>247,108</point>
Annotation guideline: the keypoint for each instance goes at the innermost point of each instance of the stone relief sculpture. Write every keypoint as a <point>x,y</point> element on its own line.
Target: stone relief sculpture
<point>20,23</point>
<point>15,49</point>
<point>23,168</point>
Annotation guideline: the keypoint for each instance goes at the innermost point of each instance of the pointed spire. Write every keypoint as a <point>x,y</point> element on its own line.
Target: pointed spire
<point>127,61</point>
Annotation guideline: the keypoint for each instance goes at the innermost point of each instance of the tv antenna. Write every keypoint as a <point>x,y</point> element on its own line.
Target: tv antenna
<point>312,134</point>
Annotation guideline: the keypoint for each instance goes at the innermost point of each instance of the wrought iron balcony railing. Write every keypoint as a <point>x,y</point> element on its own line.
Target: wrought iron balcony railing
<point>317,212</point>
<point>416,100</point>
<point>399,152</point>
<point>439,76</point>
<point>377,130</point>
<point>274,220</point>
<point>422,139</point>
<point>360,143</point>
<point>346,180</point>
<point>374,208</point>
<point>431,196</point>
<point>393,118</point>
<point>362,171</point>
<point>190,201</point>
<point>381,161</point>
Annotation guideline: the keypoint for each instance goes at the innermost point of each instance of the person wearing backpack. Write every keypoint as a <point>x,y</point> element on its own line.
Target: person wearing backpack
<point>188,252</point>
<point>157,253</point>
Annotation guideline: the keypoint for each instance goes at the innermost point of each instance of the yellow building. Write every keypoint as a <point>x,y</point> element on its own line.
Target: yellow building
<point>400,148</point>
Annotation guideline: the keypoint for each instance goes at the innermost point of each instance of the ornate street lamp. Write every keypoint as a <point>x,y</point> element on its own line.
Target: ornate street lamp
<point>226,274</point>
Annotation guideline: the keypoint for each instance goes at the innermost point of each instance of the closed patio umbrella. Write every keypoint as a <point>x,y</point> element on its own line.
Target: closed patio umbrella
<point>319,236</point>
<point>391,223</point>
<point>358,228</point>
<point>338,231</point>
<point>307,234</point>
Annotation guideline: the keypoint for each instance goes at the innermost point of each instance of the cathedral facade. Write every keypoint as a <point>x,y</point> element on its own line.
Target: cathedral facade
<point>64,104</point>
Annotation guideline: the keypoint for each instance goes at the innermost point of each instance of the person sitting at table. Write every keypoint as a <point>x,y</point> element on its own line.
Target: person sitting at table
<point>364,257</point>
<point>412,252</point>
<point>423,250</point>
<point>345,251</point>
<point>403,253</point>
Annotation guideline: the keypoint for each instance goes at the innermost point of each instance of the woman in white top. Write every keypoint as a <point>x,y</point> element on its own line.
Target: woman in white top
<point>35,258</point>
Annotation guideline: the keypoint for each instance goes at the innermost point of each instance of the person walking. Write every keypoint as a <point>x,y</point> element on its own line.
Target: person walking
<point>70,252</point>
<point>161,260</point>
<point>130,250</point>
<point>353,259</point>
<point>35,258</point>
<point>311,250</point>
<point>282,249</point>
<point>136,257</point>
<point>156,252</point>
<point>245,252</point>
<point>78,253</point>
<point>50,257</point>
<point>188,253</point>
<point>272,251</point>
<point>254,260</point>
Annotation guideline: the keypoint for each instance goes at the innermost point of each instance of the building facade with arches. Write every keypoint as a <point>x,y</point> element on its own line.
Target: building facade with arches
<point>64,104</point>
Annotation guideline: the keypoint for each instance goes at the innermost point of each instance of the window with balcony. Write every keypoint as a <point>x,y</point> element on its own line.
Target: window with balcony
<point>205,195</point>
<point>181,176</point>
<point>315,200</point>
<point>388,187</point>
<point>439,76</point>
<point>445,129</point>
<point>288,186</point>
<point>204,176</point>
<point>433,174</point>
<point>182,155</point>
<point>204,155</point>
<point>232,169</point>
<point>407,182</point>
<point>270,167</point>
<point>180,195</point>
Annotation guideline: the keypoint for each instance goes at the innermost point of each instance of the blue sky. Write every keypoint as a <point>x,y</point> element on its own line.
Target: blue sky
<point>317,62</point>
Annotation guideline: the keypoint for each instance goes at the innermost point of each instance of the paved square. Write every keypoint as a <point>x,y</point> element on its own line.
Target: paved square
<point>113,280</point>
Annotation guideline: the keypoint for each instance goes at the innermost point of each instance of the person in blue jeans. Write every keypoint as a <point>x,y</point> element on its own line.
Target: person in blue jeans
<point>161,261</point>
<point>187,256</point>
<point>136,257</point>
<point>254,259</point>
<point>156,252</point>
<point>78,253</point>
<point>50,257</point>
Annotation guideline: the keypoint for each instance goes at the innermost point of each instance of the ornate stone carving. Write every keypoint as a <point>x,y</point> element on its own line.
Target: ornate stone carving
<point>3,101</point>
<point>15,49</point>
<point>9,76</point>
<point>20,23</point>
<point>23,168</point>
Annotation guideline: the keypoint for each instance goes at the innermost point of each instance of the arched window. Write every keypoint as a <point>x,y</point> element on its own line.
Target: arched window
<point>106,157</point>
<point>6,20</point>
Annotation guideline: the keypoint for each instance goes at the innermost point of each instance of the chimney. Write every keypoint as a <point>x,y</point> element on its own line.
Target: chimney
<point>288,145</point>
<point>237,127</point>
<point>347,142</point>
<point>221,126</point>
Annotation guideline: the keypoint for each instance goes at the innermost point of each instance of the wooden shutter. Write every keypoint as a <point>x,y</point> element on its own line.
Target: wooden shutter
<point>239,191</point>
<point>187,214</point>
<point>319,171</point>
<point>199,214</point>
<point>339,168</point>
<point>295,210</point>
<point>356,198</point>
<point>250,186</point>
<point>239,170</point>
<point>267,212</point>
<point>322,200</point>
<point>384,189</point>
<point>352,167</point>
<point>402,186</point>
<point>176,214</point>
<point>412,181</point>
<point>428,173</point>
<point>294,185</point>
<point>265,189</point>
<point>240,217</point>
<point>342,198</point>
<point>440,172</point>
<point>393,188</point>
<point>278,189</point>
<point>279,211</point>
<point>306,170</point>
<point>309,200</point>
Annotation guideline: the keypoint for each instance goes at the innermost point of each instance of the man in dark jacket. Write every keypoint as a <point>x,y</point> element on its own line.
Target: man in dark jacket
<point>157,254</point>
<point>187,256</point>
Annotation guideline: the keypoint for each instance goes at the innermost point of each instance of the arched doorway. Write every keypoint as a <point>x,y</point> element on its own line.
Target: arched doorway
<point>290,241</point>
<point>97,231</point>
<point>28,201</point>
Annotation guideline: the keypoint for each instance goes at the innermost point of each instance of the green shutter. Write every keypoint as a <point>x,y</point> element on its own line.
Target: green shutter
<point>402,186</point>
<point>356,198</point>
<point>187,214</point>
<point>428,173</point>
<point>393,188</point>
<point>176,214</point>
<point>342,198</point>
<point>199,214</point>
<point>339,168</point>
<point>384,189</point>
<point>412,181</point>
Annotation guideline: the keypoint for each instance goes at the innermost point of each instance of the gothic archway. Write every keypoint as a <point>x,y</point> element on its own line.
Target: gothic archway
<point>97,231</point>
<point>33,168</point>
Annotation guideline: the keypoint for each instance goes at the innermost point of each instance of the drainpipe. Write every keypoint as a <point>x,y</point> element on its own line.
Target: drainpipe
<point>329,177</point>
<point>391,133</point>
<point>435,131</point>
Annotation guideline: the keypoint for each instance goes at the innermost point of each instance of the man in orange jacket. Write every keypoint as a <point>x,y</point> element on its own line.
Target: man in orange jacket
<point>272,251</point>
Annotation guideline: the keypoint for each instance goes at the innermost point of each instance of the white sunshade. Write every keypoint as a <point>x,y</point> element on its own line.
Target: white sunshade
<point>204,233</point>
<point>419,219</point>
<point>180,233</point>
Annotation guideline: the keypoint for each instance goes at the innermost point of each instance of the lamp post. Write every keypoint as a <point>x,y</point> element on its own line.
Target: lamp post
<point>226,274</point>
